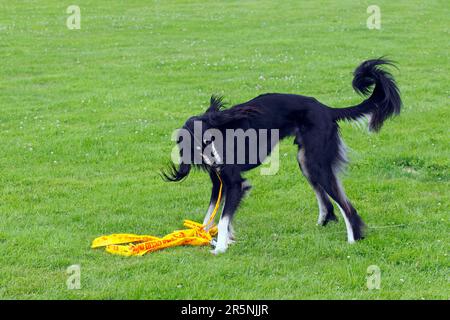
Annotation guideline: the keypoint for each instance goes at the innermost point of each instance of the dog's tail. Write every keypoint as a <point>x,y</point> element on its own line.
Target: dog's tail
<point>383,103</point>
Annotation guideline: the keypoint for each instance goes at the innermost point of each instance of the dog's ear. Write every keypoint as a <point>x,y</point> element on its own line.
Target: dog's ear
<point>215,104</point>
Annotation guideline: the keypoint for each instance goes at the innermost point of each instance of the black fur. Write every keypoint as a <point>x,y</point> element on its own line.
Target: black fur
<point>385,99</point>
<point>315,129</point>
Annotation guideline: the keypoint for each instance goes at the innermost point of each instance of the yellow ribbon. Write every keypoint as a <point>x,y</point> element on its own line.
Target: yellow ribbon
<point>137,245</point>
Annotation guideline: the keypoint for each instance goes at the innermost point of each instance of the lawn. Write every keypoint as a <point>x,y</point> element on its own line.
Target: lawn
<point>86,120</point>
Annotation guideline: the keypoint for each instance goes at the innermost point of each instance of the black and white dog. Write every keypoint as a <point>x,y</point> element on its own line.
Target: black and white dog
<point>314,126</point>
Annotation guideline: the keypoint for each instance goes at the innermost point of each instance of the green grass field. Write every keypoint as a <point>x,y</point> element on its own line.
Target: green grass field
<point>86,119</point>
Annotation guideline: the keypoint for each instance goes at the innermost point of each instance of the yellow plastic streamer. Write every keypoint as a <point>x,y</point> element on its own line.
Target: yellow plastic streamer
<point>137,245</point>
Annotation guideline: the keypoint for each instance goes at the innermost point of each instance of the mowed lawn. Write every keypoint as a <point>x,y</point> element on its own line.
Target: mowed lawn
<point>86,118</point>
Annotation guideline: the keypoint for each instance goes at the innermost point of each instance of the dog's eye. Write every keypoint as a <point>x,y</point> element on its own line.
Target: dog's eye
<point>208,141</point>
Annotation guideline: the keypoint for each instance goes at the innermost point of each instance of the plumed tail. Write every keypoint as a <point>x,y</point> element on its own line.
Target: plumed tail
<point>383,103</point>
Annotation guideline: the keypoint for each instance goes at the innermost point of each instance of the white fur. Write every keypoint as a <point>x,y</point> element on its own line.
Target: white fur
<point>322,208</point>
<point>223,236</point>
<point>210,211</point>
<point>302,160</point>
<point>340,166</point>
<point>350,237</point>
<point>245,184</point>
<point>208,215</point>
<point>215,153</point>
<point>207,160</point>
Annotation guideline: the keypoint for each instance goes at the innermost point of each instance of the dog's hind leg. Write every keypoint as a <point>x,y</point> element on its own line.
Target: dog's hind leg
<point>353,221</point>
<point>326,210</point>
<point>322,158</point>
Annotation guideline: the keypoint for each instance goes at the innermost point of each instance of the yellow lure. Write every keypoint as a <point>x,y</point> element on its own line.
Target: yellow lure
<point>137,245</point>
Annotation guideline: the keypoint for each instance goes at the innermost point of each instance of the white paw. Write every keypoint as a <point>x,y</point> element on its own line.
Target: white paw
<point>322,218</point>
<point>217,251</point>
<point>213,242</point>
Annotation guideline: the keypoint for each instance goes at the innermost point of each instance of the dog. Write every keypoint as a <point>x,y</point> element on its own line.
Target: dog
<point>314,127</point>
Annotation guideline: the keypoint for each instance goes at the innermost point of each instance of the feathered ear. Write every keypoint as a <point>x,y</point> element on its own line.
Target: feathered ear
<point>215,104</point>
<point>173,174</point>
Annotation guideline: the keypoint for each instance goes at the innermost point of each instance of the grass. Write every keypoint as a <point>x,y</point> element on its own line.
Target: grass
<point>86,118</point>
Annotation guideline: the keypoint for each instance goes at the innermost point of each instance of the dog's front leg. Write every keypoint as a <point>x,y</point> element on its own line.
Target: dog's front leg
<point>234,196</point>
<point>212,202</point>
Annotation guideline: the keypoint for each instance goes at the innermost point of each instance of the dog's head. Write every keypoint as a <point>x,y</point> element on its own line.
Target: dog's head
<point>192,141</point>
<point>195,139</point>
